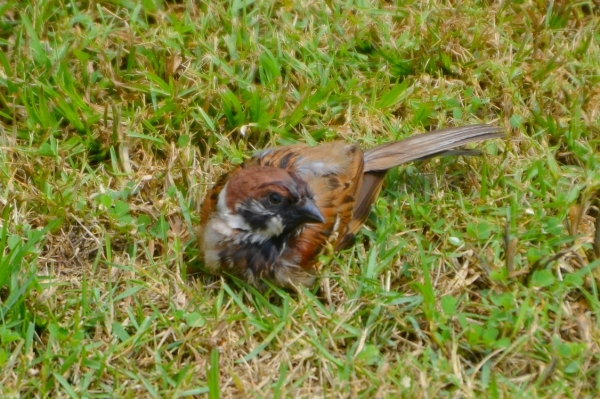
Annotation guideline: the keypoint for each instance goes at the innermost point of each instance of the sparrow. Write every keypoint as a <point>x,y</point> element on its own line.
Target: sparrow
<point>269,218</point>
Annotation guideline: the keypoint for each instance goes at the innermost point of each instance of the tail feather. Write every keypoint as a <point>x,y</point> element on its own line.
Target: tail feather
<point>423,146</point>
<point>416,148</point>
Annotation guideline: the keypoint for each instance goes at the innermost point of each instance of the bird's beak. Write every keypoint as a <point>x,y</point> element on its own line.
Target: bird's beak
<point>309,213</point>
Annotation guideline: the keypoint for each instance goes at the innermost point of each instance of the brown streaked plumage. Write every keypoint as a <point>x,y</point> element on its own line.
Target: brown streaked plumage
<point>271,217</point>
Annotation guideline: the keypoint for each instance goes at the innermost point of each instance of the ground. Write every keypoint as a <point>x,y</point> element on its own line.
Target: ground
<point>473,277</point>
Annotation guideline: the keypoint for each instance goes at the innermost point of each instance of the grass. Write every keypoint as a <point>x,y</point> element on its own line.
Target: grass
<point>473,277</point>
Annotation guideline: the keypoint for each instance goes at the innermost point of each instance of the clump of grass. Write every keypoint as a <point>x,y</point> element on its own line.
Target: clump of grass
<point>473,277</point>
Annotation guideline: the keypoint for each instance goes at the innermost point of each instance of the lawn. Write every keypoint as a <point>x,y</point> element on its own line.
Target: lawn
<point>473,277</point>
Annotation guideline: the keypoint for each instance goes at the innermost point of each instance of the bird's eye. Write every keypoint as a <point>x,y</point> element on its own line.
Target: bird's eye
<point>275,199</point>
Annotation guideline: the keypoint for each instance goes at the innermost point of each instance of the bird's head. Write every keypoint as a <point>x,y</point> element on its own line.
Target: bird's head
<point>267,202</point>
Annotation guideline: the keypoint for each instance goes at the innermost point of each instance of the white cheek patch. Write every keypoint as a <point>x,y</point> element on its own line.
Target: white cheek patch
<point>274,227</point>
<point>234,222</point>
<point>228,221</point>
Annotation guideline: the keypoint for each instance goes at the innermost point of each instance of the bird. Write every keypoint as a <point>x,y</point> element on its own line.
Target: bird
<point>269,218</point>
